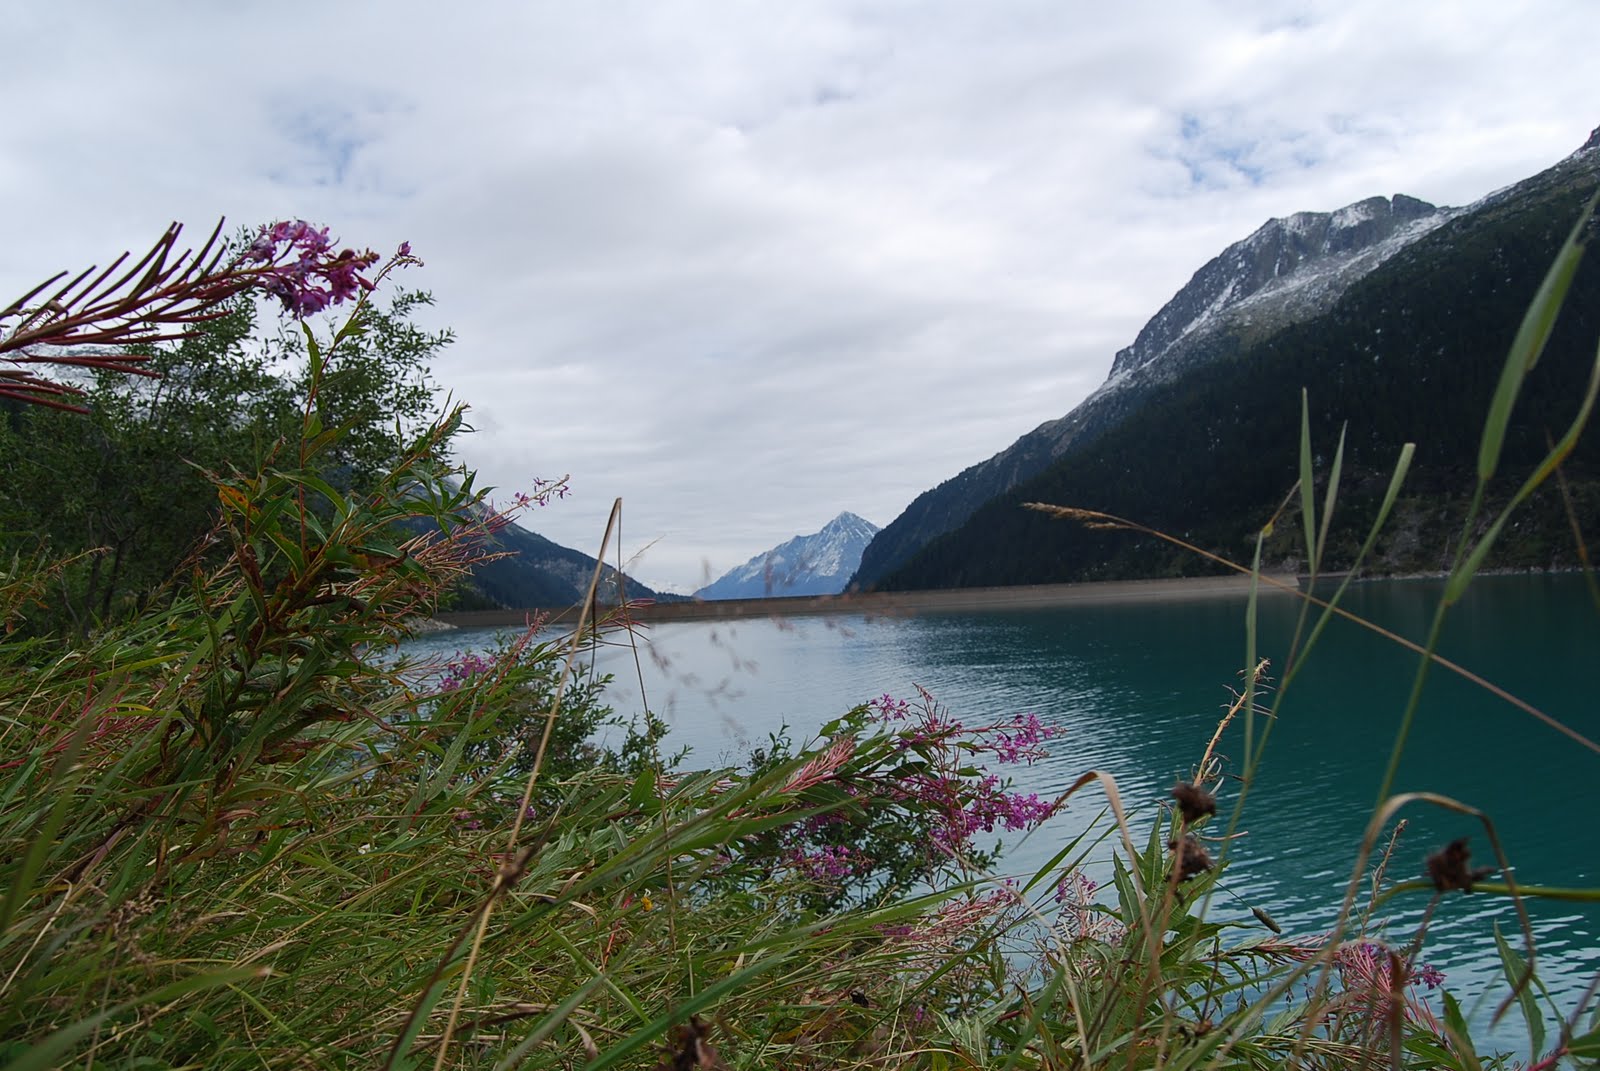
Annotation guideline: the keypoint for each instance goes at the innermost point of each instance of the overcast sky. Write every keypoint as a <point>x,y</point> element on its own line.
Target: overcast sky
<point>747,265</point>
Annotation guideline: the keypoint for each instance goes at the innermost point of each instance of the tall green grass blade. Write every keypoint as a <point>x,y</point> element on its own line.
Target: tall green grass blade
<point>1463,574</point>
<point>1308,501</point>
<point>1537,323</point>
<point>48,1053</point>
<point>548,1025</point>
<point>706,998</point>
<point>43,838</point>
<point>1332,496</point>
<point>1397,479</point>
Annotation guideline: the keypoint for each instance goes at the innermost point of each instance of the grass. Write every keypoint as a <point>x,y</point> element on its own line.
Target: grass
<point>234,833</point>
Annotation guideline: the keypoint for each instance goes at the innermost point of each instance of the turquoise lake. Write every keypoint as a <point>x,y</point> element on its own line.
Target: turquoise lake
<point>1137,690</point>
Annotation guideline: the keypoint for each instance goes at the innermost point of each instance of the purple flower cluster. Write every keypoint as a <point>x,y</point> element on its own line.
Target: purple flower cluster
<point>1369,961</point>
<point>992,806</point>
<point>966,805</point>
<point>1024,742</point>
<point>1077,887</point>
<point>828,863</point>
<point>922,785</point>
<point>300,268</point>
<point>461,669</point>
<point>542,492</point>
<point>888,708</point>
<point>1429,975</point>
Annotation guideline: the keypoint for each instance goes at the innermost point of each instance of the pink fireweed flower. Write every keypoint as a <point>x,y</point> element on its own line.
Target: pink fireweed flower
<point>1024,742</point>
<point>1075,886</point>
<point>888,708</point>
<point>461,669</point>
<point>826,864</point>
<point>166,292</point>
<point>315,277</point>
<point>541,493</point>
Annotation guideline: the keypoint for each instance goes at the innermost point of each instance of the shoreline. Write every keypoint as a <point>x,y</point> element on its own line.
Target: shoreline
<point>899,603</point>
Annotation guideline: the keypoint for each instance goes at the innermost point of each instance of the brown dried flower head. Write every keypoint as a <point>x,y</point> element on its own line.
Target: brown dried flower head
<point>691,1049</point>
<point>1448,867</point>
<point>1189,858</point>
<point>1194,802</point>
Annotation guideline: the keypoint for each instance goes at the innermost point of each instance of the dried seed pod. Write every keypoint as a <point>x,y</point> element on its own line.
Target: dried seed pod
<point>691,1049</point>
<point>1448,869</point>
<point>1189,858</point>
<point>1194,802</point>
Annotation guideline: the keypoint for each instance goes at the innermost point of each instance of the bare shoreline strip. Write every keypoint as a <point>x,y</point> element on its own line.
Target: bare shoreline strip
<point>900,603</point>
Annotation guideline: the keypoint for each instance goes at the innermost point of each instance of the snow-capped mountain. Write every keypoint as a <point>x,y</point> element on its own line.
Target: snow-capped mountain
<point>816,564</point>
<point>1289,272</point>
<point>1289,269</point>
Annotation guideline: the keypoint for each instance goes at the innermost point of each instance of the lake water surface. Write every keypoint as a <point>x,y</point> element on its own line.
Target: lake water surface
<point>1137,690</point>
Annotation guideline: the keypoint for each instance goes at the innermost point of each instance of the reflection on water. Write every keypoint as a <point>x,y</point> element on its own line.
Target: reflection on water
<point>1138,690</point>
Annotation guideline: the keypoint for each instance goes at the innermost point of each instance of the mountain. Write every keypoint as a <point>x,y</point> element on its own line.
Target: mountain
<point>1393,313</point>
<point>538,572</point>
<point>1288,271</point>
<point>817,564</point>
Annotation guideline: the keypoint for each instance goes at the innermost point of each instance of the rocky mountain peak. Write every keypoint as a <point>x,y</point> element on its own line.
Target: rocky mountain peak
<point>816,564</point>
<point>847,523</point>
<point>1593,142</point>
<point>1278,254</point>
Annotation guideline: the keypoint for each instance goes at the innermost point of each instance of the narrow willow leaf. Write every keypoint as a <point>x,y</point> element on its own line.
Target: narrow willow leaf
<point>1516,970</point>
<point>1460,1038</point>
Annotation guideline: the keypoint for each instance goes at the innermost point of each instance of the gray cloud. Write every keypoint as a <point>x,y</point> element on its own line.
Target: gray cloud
<point>749,265</point>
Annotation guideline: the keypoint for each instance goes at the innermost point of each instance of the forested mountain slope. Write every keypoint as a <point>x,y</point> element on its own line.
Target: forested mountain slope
<point>1409,351</point>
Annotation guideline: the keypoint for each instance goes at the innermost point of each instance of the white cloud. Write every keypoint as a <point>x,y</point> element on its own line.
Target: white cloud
<point>749,265</point>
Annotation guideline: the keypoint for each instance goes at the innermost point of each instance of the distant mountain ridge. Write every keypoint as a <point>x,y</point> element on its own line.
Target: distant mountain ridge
<point>1371,267</point>
<point>816,564</point>
<point>537,572</point>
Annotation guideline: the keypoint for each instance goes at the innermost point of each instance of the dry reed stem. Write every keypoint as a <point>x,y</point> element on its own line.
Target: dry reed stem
<point>1257,675</point>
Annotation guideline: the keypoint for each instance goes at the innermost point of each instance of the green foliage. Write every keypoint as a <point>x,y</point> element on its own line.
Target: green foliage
<point>379,394</point>
<point>234,832</point>
<point>124,494</point>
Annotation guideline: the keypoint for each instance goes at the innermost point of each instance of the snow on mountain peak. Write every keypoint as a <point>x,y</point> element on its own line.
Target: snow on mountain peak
<point>817,564</point>
<point>1313,254</point>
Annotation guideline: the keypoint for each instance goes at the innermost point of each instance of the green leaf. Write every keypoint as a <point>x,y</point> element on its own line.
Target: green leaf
<point>1517,975</point>
<point>643,795</point>
<point>1457,584</point>
<point>1585,1044</point>
<point>1460,1037</point>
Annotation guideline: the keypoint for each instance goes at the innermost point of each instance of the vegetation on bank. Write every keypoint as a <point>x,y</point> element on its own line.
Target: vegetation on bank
<point>234,832</point>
